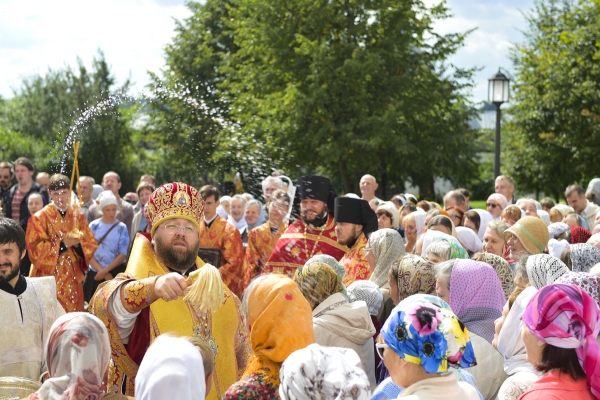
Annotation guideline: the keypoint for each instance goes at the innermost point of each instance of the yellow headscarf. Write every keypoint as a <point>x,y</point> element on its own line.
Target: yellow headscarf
<point>280,322</point>
<point>317,282</point>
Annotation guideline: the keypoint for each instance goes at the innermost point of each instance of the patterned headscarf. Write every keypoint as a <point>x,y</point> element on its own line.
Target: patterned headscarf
<point>476,296</point>
<point>557,228</point>
<point>386,245</point>
<point>587,282</point>
<point>368,292</point>
<point>423,333</point>
<point>544,216</point>
<point>584,256</point>
<point>78,353</point>
<point>332,262</point>
<point>322,372</point>
<point>415,275</point>
<point>579,234</point>
<point>432,236</point>
<point>503,270</point>
<point>566,317</point>
<point>280,321</point>
<point>544,269</point>
<point>317,282</point>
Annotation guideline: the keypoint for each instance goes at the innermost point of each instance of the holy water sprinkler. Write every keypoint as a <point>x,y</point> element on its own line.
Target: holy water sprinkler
<point>75,233</point>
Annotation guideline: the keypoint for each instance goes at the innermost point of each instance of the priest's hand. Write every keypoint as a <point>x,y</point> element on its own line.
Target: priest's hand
<point>170,286</point>
<point>71,242</point>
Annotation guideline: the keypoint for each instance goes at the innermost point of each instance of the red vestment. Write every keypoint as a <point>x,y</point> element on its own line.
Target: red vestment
<point>261,242</point>
<point>355,263</point>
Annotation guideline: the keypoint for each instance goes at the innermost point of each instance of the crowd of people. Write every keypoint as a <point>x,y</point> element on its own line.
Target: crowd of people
<point>176,292</point>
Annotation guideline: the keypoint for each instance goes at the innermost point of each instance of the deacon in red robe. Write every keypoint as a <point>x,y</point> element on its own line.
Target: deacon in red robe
<point>312,234</point>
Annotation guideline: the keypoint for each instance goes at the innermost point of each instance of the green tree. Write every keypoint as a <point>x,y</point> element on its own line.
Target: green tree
<point>49,112</point>
<point>554,136</point>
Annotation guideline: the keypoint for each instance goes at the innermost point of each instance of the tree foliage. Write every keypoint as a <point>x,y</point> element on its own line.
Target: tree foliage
<point>554,135</point>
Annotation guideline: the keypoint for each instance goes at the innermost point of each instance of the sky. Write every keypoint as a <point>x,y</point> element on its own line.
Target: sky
<point>36,35</point>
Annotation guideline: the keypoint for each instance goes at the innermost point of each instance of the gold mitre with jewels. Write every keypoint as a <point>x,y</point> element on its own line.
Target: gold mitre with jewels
<point>175,200</point>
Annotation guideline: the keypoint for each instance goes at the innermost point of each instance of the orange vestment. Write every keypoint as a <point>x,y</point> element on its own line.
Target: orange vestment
<point>299,243</point>
<point>45,230</point>
<point>261,242</point>
<point>222,235</point>
<point>355,263</point>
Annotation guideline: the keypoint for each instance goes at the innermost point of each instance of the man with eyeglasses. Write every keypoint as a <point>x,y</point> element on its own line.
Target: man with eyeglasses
<point>355,220</point>
<point>55,249</point>
<point>147,300</point>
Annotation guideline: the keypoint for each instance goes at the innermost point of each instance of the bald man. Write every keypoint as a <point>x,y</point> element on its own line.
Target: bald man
<point>368,186</point>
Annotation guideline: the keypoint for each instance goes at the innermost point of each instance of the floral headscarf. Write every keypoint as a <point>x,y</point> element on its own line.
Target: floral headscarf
<point>386,245</point>
<point>280,322</point>
<point>476,296</point>
<point>317,282</point>
<point>457,251</point>
<point>566,317</point>
<point>544,269</point>
<point>424,333</point>
<point>368,292</point>
<point>415,275</point>
<point>78,353</point>
<point>579,234</point>
<point>502,268</point>
<point>322,372</point>
<point>587,282</point>
<point>332,262</point>
<point>584,256</point>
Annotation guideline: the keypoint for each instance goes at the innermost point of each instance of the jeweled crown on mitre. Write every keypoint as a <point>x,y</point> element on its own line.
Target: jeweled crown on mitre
<point>175,200</point>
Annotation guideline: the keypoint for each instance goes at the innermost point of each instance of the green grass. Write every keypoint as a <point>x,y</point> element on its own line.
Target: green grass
<point>478,204</point>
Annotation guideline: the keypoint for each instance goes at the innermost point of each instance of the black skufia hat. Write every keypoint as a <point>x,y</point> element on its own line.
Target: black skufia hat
<point>317,188</point>
<point>356,211</point>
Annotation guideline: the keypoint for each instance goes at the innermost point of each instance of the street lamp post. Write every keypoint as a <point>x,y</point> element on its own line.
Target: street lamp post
<point>498,93</point>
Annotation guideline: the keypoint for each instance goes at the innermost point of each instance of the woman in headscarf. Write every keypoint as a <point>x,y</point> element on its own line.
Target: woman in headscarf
<point>528,207</point>
<point>336,322</point>
<point>165,371</point>
<point>280,321</point>
<point>587,282</point>
<point>442,223</point>
<point>561,327</point>
<point>421,340</point>
<point>508,341</point>
<point>493,240</point>
<point>501,267</point>
<point>413,225</point>
<point>579,234</point>
<point>543,269</point>
<point>581,257</point>
<point>386,245</point>
<point>387,216</point>
<point>473,291</point>
<point>484,219</point>
<point>457,251</point>
<point>469,240</point>
<point>511,214</point>
<point>77,357</point>
<point>495,203</point>
<point>320,372</point>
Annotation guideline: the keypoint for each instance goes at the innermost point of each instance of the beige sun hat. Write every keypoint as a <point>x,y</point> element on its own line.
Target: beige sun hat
<point>532,232</point>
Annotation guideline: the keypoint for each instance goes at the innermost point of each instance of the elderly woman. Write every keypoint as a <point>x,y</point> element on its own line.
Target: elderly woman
<point>387,216</point>
<point>508,341</point>
<point>319,372</point>
<point>385,245</point>
<point>581,257</point>
<point>528,236</point>
<point>528,207</point>
<point>443,224</point>
<point>280,321</point>
<point>336,322</point>
<point>236,216</point>
<point>413,225</point>
<point>77,358</point>
<point>441,250</point>
<point>473,291</point>
<point>561,327</point>
<point>419,342</point>
<point>495,204</point>
<point>493,239</point>
<point>540,270</point>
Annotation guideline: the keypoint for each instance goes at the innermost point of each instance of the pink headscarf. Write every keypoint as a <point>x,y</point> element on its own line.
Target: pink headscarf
<point>476,296</point>
<point>567,317</point>
<point>77,357</point>
<point>500,199</point>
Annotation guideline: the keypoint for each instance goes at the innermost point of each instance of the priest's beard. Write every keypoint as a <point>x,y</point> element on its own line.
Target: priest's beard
<point>175,258</point>
<point>316,221</point>
<point>11,273</point>
<point>351,241</point>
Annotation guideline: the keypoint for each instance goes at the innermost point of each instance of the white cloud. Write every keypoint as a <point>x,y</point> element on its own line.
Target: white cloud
<point>40,34</point>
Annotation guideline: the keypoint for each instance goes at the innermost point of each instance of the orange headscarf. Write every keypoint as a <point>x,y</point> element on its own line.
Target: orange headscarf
<point>280,322</point>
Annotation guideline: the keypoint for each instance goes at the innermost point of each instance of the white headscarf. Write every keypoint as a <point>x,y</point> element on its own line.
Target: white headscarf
<point>368,292</point>
<point>485,218</point>
<point>556,247</point>
<point>386,245</point>
<point>323,373</point>
<point>469,238</point>
<point>544,216</point>
<point>166,371</point>
<point>240,225</point>
<point>420,216</point>
<point>433,236</point>
<point>557,228</point>
<point>544,269</point>
<point>584,256</point>
<point>510,344</point>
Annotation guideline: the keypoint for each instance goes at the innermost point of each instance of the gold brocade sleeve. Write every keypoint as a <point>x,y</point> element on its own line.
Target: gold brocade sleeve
<point>243,347</point>
<point>137,295</point>
<point>233,253</point>
<point>43,243</point>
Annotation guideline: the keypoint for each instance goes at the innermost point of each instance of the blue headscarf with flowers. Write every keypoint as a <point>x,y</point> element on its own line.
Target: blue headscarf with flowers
<point>423,330</point>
